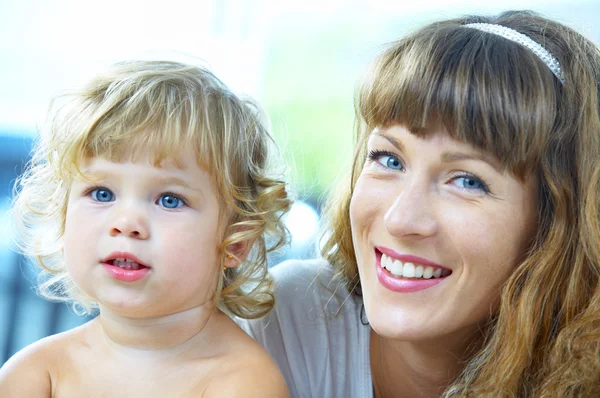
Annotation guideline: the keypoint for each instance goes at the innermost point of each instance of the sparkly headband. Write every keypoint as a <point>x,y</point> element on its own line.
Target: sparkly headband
<point>525,41</point>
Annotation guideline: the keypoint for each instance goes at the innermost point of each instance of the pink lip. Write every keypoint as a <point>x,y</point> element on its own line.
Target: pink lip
<point>125,255</point>
<point>124,275</point>
<point>403,285</point>
<point>408,258</point>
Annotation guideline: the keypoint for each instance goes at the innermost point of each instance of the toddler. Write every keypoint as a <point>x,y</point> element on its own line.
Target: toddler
<point>149,200</point>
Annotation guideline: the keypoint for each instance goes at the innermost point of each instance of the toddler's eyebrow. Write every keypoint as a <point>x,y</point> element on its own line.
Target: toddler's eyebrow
<point>157,180</point>
<point>172,180</point>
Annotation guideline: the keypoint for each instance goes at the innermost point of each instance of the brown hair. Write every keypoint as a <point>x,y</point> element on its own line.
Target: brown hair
<point>500,97</point>
<point>162,107</point>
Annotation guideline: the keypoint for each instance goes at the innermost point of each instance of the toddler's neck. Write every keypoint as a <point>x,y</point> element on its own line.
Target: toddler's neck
<point>167,334</point>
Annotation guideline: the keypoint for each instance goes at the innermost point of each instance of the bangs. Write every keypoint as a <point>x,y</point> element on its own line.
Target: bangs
<point>123,137</point>
<point>153,113</point>
<point>483,89</point>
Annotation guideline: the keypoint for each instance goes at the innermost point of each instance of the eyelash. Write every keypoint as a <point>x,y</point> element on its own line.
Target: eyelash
<point>375,155</point>
<point>485,186</point>
<point>93,188</point>
<point>185,203</point>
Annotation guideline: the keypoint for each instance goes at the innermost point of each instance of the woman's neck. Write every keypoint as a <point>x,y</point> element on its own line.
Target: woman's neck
<point>419,369</point>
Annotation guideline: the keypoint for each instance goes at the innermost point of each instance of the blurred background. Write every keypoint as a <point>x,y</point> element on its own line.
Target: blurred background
<point>299,59</point>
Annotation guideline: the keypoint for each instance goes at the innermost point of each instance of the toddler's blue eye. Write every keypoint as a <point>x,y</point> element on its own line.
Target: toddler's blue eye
<point>102,195</point>
<point>170,201</point>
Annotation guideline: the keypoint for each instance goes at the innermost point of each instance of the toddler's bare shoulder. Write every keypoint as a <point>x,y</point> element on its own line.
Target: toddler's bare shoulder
<point>251,374</point>
<point>34,371</point>
<point>30,371</point>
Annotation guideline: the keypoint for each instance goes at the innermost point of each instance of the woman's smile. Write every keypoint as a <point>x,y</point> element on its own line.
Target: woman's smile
<point>437,228</point>
<point>406,273</point>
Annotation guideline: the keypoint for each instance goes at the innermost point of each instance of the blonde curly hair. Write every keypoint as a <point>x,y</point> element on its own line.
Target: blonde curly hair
<point>499,96</point>
<point>163,107</point>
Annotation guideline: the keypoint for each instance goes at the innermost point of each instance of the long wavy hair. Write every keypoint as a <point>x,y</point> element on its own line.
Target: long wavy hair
<point>500,97</point>
<point>162,107</point>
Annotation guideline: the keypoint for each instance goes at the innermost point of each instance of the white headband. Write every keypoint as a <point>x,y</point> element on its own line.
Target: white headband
<point>525,41</point>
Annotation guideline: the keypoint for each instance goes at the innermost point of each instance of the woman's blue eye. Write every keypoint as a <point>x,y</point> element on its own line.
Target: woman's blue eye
<point>102,195</point>
<point>470,183</point>
<point>386,159</point>
<point>170,201</point>
<point>390,162</point>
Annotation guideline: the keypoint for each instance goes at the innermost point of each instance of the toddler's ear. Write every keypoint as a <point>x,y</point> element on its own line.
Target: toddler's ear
<point>237,253</point>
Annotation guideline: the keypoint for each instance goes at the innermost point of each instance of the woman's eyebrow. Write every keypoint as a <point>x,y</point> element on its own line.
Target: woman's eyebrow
<point>448,157</point>
<point>391,139</point>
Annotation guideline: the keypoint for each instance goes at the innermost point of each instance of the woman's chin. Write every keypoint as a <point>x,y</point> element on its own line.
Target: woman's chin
<point>404,324</point>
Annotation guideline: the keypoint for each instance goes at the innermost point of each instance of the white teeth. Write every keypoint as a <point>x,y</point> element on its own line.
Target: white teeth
<point>410,270</point>
<point>128,260</point>
<point>419,271</point>
<point>396,267</point>
<point>126,264</point>
<point>428,272</point>
<point>386,261</point>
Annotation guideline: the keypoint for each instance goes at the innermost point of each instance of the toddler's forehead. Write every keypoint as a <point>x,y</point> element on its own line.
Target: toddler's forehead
<point>181,160</point>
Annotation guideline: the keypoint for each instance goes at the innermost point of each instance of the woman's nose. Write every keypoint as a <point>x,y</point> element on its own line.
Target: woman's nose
<point>412,213</point>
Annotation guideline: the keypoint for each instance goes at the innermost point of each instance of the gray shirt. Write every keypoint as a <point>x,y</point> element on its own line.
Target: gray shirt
<point>315,333</point>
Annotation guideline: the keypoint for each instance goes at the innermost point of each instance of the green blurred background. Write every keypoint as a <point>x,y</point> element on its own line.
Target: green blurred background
<point>300,60</point>
<point>314,61</point>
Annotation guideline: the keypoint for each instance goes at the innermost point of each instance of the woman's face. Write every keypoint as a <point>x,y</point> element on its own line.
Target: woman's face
<point>437,227</point>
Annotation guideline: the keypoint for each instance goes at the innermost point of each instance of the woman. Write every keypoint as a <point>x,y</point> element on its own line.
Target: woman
<point>463,253</point>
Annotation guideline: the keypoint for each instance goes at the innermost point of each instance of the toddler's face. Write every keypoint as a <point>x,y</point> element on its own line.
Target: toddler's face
<point>142,240</point>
